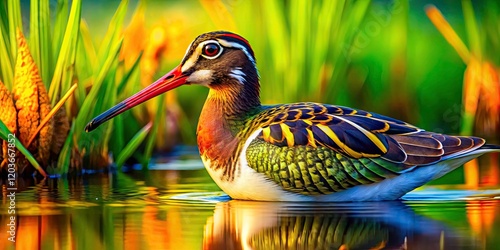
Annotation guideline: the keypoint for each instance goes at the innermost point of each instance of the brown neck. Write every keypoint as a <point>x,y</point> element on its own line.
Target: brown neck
<point>223,116</point>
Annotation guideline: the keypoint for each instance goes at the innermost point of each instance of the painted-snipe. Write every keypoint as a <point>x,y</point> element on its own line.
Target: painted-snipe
<point>299,151</point>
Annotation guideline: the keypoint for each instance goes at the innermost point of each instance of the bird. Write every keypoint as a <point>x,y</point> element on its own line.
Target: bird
<point>298,152</point>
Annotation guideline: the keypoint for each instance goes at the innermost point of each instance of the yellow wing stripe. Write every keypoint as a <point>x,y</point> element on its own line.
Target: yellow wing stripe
<point>368,134</point>
<point>384,129</point>
<point>310,138</point>
<point>337,141</point>
<point>288,134</point>
<point>342,145</point>
<point>266,134</point>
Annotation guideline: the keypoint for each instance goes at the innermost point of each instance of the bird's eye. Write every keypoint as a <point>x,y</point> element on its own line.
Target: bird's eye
<point>211,50</point>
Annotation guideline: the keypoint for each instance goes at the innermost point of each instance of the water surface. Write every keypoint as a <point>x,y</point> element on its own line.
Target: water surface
<point>169,208</point>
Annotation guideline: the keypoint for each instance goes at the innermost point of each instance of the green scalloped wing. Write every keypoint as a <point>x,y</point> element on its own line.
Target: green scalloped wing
<point>319,149</point>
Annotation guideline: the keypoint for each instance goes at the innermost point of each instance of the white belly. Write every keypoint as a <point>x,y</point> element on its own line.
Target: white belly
<point>251,185</point>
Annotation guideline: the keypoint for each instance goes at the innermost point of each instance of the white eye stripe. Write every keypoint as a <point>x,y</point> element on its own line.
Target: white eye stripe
<point>189,62</point>
<point>239,46</point>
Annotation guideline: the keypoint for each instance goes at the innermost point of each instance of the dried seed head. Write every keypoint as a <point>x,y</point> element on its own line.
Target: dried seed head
<point>32,103</point>
<point>8,117</point>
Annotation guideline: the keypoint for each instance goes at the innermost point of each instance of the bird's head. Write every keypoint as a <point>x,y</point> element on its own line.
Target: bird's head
<point>220,60</point>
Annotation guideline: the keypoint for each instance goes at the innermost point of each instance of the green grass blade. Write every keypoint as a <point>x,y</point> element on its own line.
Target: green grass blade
<point>86,60</point>
<point>4,18</point>
<point>66,56</point>
<point>127,76</point>
<point>15,22</point>
<point>118,133</point>
<point>87,52</point>
<point>6,68</point>
<point>473,32</point>
<point>34,38</point>
<point>278,45</point>
<point>107,98</point>
<point>354,15</point>
<point>45,43</point>
<point>132,145</point>
<point>64,159</point>
<point>39,37</point>
<point>60,23</point>
<point>4,135</point>
<point>152,138</point>
<point>6,59</point>
<point>114,32</point>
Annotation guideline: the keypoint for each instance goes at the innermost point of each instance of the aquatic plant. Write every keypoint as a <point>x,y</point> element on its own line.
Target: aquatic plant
<point>481,84</point>
<point>64,55</point>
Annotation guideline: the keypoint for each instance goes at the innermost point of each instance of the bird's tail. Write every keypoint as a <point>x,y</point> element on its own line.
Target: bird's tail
<point>490,147</point>
<point>458,160</point>
<point>486,148</point>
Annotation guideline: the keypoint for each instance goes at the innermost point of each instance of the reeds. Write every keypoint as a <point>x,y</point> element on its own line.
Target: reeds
<point>64,54</point>
<point>303,48</point>
<point>481,85</point>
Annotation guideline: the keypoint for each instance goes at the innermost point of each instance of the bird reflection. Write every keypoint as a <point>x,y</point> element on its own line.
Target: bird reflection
<point>269,225</point>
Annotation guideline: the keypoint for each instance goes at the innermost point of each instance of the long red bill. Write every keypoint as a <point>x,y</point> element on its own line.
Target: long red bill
<point>171,80</point>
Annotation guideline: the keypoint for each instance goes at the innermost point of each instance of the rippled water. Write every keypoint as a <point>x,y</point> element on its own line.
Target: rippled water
<point>183,209</point>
